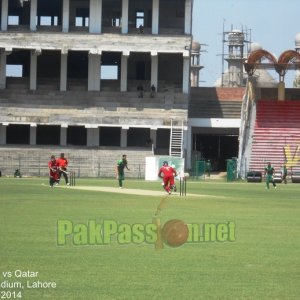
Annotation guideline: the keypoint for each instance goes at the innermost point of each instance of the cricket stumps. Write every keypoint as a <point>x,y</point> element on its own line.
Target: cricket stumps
<point>72,177</point>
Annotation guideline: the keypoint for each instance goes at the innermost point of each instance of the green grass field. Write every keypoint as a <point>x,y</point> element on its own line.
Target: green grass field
<point>263,261</point>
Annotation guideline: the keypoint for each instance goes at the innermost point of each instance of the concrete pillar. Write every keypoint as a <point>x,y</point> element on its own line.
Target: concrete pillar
<point>188,147</point>
<point>124,71</point>
<point>125,6</point>
<point>194,76</point>
<point>2,69</point>
<point>63,71</point>
<point>63,135</point>
<point>95,25</point>
<point>124,137</point>
<point>155,16</point>
<point>66,16</point>
<point>184,142</point>
<point>4,15</point>
<point>186,74</point>
<point>188,17</point>
<point>153,136</point>
<point>281,91</point>
<point>32,138</point>
<point>33,13</point>
<point>94,72</point>
<point>154,69</point>
<point>3,134</point>
<point>93,137</point>
<point>3,54</point>
<point>33,68</point>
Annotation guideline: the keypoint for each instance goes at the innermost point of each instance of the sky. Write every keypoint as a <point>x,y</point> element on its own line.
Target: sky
<point>273,24</point>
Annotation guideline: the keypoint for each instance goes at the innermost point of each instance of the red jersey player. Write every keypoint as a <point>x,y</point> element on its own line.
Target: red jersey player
<point>53,171</point>
<point>62,163</point>
<point>167,173</point>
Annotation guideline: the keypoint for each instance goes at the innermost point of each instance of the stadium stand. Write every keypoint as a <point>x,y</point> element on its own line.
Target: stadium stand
<point>277,130</point>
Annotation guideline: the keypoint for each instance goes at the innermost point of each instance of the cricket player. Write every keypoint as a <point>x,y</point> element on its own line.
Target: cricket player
<point>121,165</point>
<point>168,173</point>
<point>269,172</point>
<point>62,163</point>
<point>53,171</point>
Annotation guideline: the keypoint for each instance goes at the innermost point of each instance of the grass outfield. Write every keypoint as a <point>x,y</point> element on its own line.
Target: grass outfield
<point>263,261</point>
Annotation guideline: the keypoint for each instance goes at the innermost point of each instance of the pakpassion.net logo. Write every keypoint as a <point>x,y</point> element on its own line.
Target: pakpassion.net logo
<point>173,233</point>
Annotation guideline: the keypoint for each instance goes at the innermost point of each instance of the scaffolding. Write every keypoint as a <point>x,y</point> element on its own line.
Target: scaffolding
<point>238,42</point>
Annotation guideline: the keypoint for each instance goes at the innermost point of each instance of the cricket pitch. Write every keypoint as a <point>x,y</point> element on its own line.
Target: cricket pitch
<point>128,191</point>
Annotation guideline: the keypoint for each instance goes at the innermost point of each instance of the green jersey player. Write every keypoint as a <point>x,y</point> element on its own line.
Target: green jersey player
<point>269,172</point>
<point>121,165</point>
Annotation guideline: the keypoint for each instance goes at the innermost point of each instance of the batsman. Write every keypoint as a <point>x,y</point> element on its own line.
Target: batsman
<point>62,168</point>
<point>167,173</point>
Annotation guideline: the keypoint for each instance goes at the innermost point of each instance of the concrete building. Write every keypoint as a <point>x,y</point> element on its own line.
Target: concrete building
<point>78,73</point>
<point>214,122</point>
<point>215,112</point>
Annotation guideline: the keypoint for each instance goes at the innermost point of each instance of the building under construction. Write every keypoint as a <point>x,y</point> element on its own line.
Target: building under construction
<point>102,77</point>
<point>98,78</point>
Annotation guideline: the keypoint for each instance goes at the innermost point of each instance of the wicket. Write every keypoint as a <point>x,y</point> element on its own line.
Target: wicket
<point>72,178</point>
<point>182,186</point>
